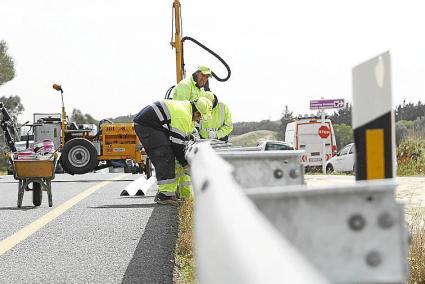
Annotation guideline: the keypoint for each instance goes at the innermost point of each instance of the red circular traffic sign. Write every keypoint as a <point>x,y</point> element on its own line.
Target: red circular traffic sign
<point>324,131</point>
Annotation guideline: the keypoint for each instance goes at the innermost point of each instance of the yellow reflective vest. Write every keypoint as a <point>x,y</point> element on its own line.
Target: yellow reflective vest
<point>220,123</point>
<point>186,90</point>
<point>180,113</point>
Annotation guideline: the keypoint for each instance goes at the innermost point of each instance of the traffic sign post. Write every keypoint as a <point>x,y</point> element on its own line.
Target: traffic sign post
<point>324,130</point>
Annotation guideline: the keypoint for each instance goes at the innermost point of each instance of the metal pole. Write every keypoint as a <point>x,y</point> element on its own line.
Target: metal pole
<point>323,146</point>
<point>63,122</point>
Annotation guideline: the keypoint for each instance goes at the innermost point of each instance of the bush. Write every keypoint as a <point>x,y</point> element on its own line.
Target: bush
<point>411,157</point>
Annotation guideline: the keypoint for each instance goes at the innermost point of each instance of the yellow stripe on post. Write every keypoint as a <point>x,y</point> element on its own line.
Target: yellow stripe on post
<point>375,157</point>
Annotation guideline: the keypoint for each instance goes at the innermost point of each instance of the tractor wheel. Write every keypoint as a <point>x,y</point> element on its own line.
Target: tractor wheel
<point>37,194</point>
<point>79,156</point>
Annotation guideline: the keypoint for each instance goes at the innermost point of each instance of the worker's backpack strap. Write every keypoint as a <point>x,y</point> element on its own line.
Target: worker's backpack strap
<point>163,114</point>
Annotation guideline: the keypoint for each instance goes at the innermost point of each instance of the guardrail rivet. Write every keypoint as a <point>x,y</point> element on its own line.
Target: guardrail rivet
<point>385,220</point>
<point>293,173</point>
<point>278,173</point>
<point>373,258</point>
<point>356,222</point>
<point>205,185</point>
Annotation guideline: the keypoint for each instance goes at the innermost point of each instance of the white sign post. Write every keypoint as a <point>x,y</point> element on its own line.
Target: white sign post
<point>322,105</point>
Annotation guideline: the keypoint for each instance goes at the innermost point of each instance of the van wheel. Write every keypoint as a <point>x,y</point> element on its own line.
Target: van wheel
<point>79,156</point>
<point>329,169</point>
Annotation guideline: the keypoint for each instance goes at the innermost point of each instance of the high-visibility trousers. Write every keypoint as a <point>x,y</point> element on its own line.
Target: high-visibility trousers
<point>157,146</point>
<point>184,185</point>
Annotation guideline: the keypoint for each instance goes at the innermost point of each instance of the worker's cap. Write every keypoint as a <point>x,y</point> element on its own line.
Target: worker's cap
<point>204,106</point>
<point>204,70</point>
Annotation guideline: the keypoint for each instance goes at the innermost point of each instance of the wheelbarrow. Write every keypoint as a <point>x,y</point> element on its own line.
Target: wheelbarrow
<point>39,172</point>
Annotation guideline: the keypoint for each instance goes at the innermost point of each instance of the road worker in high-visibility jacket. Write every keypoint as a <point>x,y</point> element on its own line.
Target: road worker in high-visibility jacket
<point>220,125</point>
<point>193,87</point>
<point>190,89</point>
<point>164,128</point>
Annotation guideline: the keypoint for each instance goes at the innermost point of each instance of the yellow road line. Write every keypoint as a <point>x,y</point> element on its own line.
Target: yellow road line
<point>375,156</point>
<point>30,229</point>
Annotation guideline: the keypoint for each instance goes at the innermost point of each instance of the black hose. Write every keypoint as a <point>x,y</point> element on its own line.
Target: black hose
<point>214,54</point>
<point>99,131</point>
<point>168,93</point>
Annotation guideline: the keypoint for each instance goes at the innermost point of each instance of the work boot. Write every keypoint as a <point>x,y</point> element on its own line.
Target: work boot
<point>161,198</point>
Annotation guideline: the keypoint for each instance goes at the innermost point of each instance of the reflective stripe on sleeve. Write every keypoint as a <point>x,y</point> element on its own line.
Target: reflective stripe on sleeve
<point>167,113</point>
<point>178,131</point>
<point>158,112</point>
<point>177,140</point>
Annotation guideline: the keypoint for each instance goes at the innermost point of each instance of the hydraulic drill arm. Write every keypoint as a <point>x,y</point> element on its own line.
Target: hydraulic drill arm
<point>6,124</point>
<point>177,43</point>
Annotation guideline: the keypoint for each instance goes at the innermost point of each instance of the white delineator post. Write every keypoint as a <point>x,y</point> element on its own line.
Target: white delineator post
<point>373,119</point>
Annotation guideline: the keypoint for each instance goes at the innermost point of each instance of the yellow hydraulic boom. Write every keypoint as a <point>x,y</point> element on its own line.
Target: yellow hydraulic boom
<point>177,43</point>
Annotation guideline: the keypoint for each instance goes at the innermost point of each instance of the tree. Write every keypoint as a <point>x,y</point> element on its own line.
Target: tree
<point>287,117</point>
<point>7,69</point>
<point>342,115</point>
<point>343,135</point>
<point>401,132</point>
<point>80,118</point>
<point>13,105</point>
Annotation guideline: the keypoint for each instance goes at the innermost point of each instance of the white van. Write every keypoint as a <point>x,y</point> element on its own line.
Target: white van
<point>308,134</point>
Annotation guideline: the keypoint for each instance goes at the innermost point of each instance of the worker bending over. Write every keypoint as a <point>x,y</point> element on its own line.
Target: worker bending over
<point>220,125</point>
<point>163,128</point>
<point>193,87</point>
<point>190,89</point>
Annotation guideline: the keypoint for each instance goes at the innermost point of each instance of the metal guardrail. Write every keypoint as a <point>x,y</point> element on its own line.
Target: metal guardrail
<point>351,234</point>
<point>234,243</point>
<point>265,168</point>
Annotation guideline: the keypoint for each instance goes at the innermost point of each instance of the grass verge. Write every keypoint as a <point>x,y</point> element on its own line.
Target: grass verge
<point>184,271</point>
<point>417,246</point>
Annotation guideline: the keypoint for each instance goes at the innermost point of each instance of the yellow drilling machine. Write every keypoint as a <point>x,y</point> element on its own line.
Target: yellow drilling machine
<point>84,151</point>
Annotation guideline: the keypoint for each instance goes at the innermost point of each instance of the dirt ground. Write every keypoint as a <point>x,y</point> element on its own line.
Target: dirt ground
<point>410,190</point>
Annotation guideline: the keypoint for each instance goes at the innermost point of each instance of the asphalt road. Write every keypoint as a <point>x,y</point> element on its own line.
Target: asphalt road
<point>90,235</point>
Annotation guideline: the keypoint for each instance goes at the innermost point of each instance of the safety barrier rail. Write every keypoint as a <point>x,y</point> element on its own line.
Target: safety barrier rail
<point>234,243</point>
<point>351,234</point>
